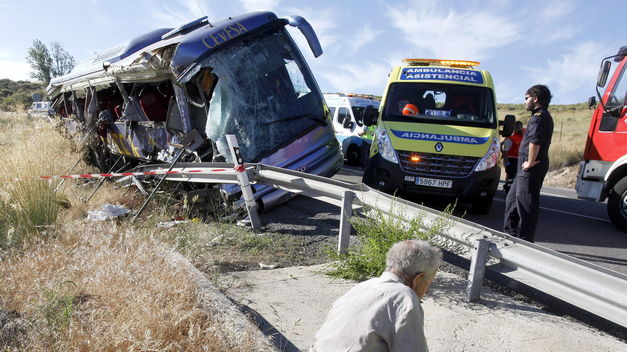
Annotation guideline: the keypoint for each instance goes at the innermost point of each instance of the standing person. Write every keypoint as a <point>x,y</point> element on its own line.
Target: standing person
<point>384,313</point>
<point>522,202</point>
<point>511,145</point>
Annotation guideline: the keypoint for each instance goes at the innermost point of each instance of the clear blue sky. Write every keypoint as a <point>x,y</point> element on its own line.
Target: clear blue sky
<point>558,43</point>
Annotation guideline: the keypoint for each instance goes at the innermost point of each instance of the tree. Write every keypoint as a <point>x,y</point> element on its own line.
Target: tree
<point>48,63</point>
<point>62,61</point>
<point>41,62</point>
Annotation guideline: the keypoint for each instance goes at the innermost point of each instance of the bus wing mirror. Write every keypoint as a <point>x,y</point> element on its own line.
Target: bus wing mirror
<point>604,72</point>
<point>592,102</point>
<point>508,125</point>
<point>308,32</point>
<point>370,115</point>
<point>347,123</point>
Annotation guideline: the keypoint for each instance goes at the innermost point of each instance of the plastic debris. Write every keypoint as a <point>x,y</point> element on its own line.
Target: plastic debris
<point>107,212</point>
<point>268,266</point>
<point>170,224</point>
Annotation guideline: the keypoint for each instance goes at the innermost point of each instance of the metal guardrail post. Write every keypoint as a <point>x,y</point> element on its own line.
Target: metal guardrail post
<point>477,269</point>
<point>345,224</point>
<point>244,183</point>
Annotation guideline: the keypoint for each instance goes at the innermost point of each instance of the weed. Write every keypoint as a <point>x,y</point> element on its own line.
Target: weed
<point>376,234</point>
<point>56,309</point>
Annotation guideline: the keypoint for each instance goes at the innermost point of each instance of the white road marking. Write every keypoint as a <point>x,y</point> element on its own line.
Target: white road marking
<point>563,212</point>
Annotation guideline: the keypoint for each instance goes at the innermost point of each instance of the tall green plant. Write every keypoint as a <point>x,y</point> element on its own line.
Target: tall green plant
<point>28,207</point>
<point>376,234</point>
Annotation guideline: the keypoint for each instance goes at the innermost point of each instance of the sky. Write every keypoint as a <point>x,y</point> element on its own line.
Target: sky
<point>557,43</point>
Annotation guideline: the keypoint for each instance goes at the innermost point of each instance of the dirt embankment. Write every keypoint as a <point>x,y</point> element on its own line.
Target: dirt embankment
<point>565,177</point>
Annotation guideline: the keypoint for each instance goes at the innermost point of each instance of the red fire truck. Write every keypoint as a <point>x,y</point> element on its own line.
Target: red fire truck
<point>603,172</point>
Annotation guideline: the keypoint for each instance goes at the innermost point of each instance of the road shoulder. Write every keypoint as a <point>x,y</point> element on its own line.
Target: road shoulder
<point>296,300</point>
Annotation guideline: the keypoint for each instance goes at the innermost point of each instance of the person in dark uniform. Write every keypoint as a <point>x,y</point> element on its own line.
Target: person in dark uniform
<point>522,202</point>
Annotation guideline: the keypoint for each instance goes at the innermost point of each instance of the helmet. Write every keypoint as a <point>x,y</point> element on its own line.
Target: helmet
<point>410,110</point>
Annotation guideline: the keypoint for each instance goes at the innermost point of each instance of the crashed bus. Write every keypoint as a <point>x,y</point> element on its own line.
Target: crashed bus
<point>195,84</point>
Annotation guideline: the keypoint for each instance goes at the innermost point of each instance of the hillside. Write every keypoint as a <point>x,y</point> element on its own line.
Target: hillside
<point>569,138</point>
<point>16,95</point>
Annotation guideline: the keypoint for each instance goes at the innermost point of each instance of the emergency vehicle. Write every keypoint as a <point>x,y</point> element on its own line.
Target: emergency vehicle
<point>437,133</point>
<point>347,111</point>
<point>603,172</point>
<point>40,108</point>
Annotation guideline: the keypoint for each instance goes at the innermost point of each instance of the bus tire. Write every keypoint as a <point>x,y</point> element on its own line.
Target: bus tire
<point>617,205</point>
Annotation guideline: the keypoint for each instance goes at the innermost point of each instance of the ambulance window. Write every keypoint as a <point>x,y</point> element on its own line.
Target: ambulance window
<point>437,99</point>
<point>332,111</point>
<point>343,114</point>
<point>358,112</point>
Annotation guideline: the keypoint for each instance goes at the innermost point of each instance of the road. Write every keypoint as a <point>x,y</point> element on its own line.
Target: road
<point>566,224</point>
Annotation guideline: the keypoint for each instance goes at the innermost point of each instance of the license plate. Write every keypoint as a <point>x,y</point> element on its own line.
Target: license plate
<point>434,182</point>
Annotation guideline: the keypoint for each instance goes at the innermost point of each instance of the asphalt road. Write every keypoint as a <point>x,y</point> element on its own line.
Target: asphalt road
<point>568,225</point>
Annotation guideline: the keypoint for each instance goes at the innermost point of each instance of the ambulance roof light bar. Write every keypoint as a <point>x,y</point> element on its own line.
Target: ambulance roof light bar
<point>440,62</point>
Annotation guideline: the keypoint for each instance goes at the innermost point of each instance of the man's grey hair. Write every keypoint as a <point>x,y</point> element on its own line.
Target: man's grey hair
<point>413,257</point>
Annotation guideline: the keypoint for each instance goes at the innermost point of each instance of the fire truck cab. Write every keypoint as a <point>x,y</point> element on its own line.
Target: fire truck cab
<point>603,172</point>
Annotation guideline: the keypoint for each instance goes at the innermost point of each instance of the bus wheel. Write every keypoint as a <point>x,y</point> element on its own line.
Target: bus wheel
<point>482,206</point>
<point>352,156</point>
<point>617,205</point>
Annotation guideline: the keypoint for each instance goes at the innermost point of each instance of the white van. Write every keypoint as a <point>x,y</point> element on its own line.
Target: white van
<point>40,108</point>
<point>347,114</point>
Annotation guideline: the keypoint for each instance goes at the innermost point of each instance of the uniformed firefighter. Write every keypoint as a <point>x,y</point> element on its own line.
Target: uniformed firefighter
<point>523,201</point>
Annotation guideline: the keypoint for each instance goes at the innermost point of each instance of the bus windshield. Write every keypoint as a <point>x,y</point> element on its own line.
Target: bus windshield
<point>447,104</point>
<point>258,89</point>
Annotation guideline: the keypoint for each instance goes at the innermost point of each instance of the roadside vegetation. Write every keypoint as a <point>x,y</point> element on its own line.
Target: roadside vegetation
<point>72,284</point>
<point>17,95</point>
<point>375,236</point>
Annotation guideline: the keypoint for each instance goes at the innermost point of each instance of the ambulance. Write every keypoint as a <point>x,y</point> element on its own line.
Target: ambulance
<point>347,111</point>
<point>437,134</point>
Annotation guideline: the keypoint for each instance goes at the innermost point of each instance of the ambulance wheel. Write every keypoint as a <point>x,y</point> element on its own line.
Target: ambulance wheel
<point>482,206</point>
<point>352,156</point>
<point>617,205</point>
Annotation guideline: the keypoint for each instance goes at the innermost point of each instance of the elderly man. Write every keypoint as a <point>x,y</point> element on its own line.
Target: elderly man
<point>384,313</point>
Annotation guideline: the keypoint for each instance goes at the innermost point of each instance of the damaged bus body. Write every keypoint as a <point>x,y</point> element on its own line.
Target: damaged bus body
<point>195,84</point>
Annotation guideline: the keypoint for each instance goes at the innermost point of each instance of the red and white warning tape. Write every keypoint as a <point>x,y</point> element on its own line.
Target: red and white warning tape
<point>122,174</point>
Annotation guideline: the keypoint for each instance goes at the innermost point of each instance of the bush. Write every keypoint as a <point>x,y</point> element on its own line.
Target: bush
<point>376,235</point>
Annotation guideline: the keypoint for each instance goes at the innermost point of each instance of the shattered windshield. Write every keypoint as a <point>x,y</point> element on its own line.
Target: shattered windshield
<point>448,104</point>
<point>260,90</point>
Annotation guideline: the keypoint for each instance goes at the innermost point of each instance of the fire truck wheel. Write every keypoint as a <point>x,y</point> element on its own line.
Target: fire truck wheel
<point>617,205</point>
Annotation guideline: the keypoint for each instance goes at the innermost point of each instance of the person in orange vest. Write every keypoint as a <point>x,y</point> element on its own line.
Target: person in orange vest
<point>510,154</point>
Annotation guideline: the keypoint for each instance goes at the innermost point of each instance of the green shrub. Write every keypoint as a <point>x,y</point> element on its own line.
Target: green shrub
<point>376,235</point>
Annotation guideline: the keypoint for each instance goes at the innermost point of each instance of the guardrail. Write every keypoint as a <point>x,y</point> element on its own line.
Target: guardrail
<point>593,288</point>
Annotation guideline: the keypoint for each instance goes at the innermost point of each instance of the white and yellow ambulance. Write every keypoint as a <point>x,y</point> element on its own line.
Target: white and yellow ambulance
<point>437,134</point>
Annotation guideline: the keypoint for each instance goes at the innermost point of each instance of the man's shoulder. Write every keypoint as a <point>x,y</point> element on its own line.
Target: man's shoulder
<point>542,113</point>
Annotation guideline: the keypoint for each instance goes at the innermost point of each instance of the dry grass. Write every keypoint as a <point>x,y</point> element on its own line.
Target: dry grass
<point>569,138</point>
<point>216,248</point>
<point>78,285</point>
<point>106,288</point>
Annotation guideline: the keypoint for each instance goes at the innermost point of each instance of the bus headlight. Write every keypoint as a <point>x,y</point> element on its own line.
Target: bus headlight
<point>385,146</point>
<point>491,158</point>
